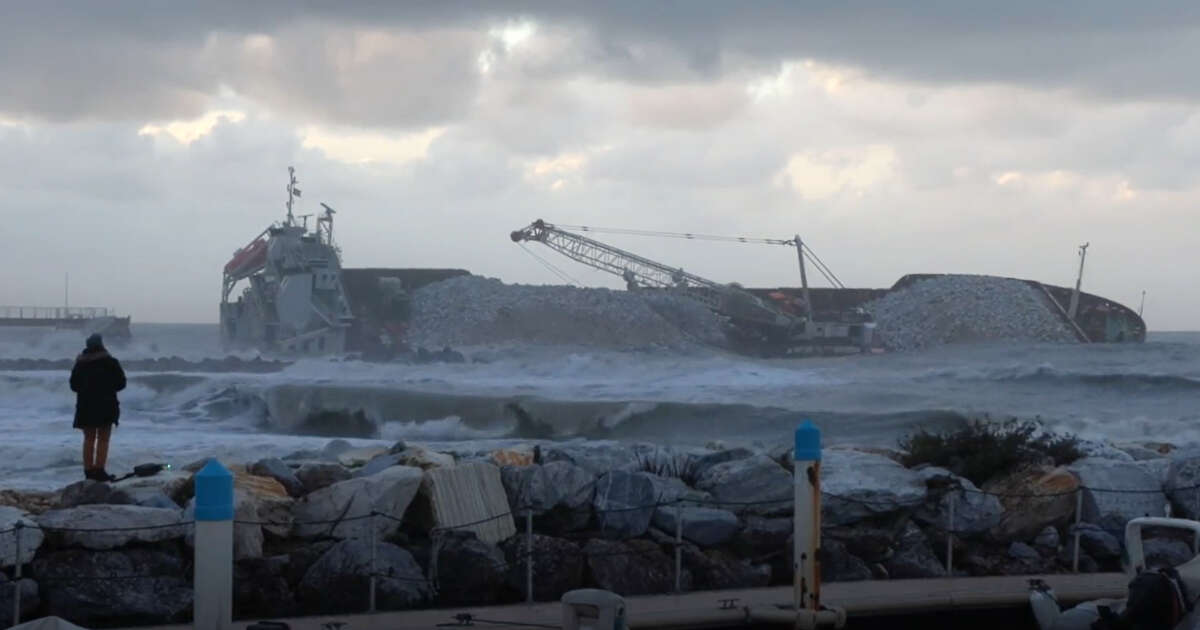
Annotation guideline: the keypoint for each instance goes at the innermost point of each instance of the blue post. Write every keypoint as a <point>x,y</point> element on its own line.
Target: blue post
<point>213,607</point>
<point>807,519</point>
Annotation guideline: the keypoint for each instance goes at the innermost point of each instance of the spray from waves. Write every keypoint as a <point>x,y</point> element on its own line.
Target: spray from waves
<point>1053,377</point>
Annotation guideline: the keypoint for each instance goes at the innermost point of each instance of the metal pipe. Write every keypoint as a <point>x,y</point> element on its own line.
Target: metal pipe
<point>678,548</point>
<point>529,556</point>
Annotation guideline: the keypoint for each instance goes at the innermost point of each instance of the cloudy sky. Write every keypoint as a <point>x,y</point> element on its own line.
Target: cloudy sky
<point>141,143</point>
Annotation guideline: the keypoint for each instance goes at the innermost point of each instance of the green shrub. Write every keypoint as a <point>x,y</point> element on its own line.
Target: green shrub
<point>983,449</point>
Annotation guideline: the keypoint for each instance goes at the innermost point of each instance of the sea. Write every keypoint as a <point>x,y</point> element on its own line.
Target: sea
<point>1123,393</point>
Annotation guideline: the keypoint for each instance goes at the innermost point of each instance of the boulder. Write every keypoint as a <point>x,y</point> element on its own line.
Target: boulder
<point>261,589</point>
<point>1048,538</point>
<point>859,485</point>
<point>596,457</point>
<point>83,587</point>
<point>317,475</point>
<point>144,496</point>
<point>425,459</point>
<point>355,457</point>
<point>276,469</point>
<point>874,542</point>
<point>335,448</point>
<point>512,457</point>
<point>913,557</point>
<point>559,493</point>
<point>673,489</point>
<point>1100,544</point>
<point>1134,492</point>
<point>762,536</point>
<point>527,489</point>
<point>756,484</point>
<point>30,501</point>
<point>1034,498</point>
<point>378,464</point>
<point>624,504</point>
<point>343,510</point>
<point>707,527</point>
<point>30,599</point>
<point>1020,551</point>
<point>839,565</point>
<point>557,568</point>
<point>1183,484</point>
<point>974,512</point>
<point>632,567</point>
<point>86,492</point>
<point>31,538</point>
<point>470,572</point>
<point>338,582</point>
<point>720,570</point>
<point>469,497</point>
<point>702,463</point>
<point>1164,552</point>
<point>101,527</point>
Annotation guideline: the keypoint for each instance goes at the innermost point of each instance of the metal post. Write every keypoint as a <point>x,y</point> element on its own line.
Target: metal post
<point>529,556</point>
<point>678,548</point>
<point>806,520</point>
<point>213,564</point>
<point>374,570</point>
<point>1078,520</point>
<point>950,537</point>
<point>17,577</point>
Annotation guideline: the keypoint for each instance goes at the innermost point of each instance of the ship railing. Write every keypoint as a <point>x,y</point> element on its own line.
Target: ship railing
<point>53,312</point>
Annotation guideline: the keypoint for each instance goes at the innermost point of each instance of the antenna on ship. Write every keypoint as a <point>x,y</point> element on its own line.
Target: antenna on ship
<point>292,192</point>
<point>1143,304</point>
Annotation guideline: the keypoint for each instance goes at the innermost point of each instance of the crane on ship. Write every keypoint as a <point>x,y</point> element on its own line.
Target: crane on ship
<point>778,325</point>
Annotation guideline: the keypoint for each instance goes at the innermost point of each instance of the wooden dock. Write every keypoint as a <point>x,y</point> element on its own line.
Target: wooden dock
<point>725,609</point>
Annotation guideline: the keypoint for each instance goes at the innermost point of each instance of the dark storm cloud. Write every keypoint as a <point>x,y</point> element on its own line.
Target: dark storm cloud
<point>139,60</point>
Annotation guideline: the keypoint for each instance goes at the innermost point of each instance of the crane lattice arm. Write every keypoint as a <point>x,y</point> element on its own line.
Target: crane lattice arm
<point>641,271</point>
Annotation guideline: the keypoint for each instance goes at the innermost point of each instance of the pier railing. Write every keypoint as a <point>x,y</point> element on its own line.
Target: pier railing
<point>526,559</point>
<point>53,312</point>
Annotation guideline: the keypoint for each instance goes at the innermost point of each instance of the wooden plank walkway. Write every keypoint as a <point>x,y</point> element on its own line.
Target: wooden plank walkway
<point>704,609</point>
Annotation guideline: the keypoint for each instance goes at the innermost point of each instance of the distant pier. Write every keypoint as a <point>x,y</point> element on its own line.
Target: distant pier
<point>88,319</point>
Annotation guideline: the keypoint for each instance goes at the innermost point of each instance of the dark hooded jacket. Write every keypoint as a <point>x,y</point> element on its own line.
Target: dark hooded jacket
<point>96,378</point>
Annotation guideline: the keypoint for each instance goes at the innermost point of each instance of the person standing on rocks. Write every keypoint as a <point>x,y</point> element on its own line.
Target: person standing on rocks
<point>96,378</point>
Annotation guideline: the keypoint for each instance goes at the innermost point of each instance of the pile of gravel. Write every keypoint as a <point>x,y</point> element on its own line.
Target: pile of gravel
<point>472,311</point>
<point>963,309</point>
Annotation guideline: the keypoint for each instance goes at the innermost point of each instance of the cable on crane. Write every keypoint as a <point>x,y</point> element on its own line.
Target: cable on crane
<point>683,235</point>
<point>562,275</point>
<point>822,267</point>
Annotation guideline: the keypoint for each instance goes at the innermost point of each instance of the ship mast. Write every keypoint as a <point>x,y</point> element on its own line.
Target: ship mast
<point>1074,308</point>
<point>292,193</point>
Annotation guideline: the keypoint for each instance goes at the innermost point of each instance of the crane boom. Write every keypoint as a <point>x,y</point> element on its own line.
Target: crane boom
<point>640,271</point>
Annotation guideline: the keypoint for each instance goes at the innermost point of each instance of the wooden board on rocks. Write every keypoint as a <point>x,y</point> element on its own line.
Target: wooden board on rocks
<point>472,495</point>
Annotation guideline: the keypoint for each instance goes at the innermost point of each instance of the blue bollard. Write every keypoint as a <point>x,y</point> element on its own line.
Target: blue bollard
<point>213,607</point>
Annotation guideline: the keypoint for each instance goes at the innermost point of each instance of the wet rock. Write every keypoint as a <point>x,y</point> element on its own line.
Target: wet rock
<point>343,510</point>
<point>839,565</point>
<point>338,582</point>
<point>1137,493</point>
<point>861,485</point>
<point>595,457</point>
<point>145,497</point>
<point>707,527</point>
<point>1033,498</point>
<point>86,492</point>
<point>279,471</point>
<point>871,541</point>
<point>560,494</point>
<point>717,570</point>
<point>102,527</point>
<point>672,489</point>
<point>624,504</point>
<point>756,484</point>
<point>1098,543</point>
<point>73,586</point>
<point>1021,551</point>
<point>558,566</point>
<point>974,512</point>
<point>317,475</point>
<point>355,457</point>
<point>1183,484</point>
<point>378,464</point>
<point>261,589</point>
<point>470,571</point>
<point>633,567</point>
<point>425,459</point>
<point>1048,539</point>
<point>913,557</point>
<point>31,537</point>
<point>1161,552</point>
<point>702,463</point>
<point>762,535</point>
<point>177,485</point>
<point>30,599</point>
<point>335,448</point>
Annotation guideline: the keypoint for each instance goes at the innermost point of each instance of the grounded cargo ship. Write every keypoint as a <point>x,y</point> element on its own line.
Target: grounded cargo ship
<point>299,300</point>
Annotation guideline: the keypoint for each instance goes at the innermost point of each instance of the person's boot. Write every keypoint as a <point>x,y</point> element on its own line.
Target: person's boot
<point>90,473</point>
<point>102,475</point>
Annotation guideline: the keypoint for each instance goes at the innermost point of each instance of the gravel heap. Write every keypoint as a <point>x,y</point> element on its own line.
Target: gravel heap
<point>964,309</point>
<point>472,310</point>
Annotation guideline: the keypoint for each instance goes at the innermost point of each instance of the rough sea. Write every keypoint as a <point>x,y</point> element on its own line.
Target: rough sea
<point>1123,393</point>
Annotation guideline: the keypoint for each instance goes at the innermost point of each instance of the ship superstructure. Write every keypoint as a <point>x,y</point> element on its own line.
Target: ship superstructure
<point>293,301</point>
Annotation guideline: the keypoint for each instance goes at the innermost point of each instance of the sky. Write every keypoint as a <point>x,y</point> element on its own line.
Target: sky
<point>142,143</point>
